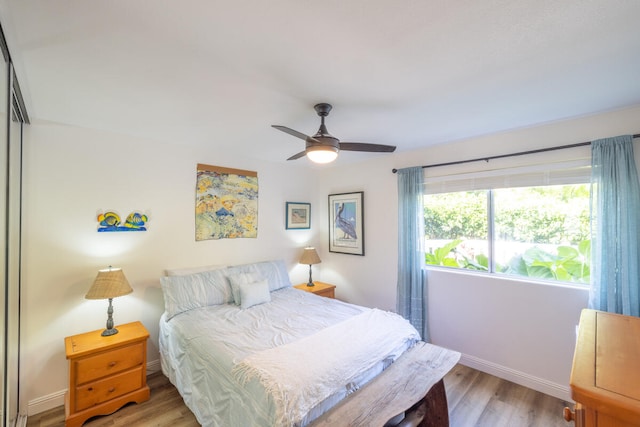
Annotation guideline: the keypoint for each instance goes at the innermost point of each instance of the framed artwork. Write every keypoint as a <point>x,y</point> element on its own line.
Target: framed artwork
<point>226,203</point>
<point>298,215</point>
<point>346,223</point>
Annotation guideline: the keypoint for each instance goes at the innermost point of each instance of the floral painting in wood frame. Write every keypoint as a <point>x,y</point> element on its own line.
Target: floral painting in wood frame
<point>346,223</point>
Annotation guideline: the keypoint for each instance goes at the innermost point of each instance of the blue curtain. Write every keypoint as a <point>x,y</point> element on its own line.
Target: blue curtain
<point>411,293</point>
<point>615,233</point>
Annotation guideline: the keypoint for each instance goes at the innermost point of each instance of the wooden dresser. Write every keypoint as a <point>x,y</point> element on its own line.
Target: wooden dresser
<point>105,372</point>
<point>605,378</point>
<point>320,288</point>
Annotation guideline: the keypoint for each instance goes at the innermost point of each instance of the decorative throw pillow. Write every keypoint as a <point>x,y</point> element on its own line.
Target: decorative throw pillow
<point>240,279</point>
<point>254,293</point>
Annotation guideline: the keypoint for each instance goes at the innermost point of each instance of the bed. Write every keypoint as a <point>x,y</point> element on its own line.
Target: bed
<point>245,348</point>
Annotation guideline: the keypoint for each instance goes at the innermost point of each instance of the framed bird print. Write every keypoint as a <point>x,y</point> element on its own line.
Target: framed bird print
<point>346,223</point>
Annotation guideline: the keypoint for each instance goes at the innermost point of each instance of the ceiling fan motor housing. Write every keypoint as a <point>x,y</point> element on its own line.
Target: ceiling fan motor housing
<point>325,142</point>
<point>322,141</point>
<point>322,109</point>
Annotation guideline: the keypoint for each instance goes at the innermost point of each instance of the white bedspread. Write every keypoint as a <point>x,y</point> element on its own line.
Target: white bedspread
<point>200,348</point>
<point>301,374</point>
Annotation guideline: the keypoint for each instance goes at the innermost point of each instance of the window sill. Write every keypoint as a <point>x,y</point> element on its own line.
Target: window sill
<point>507,277</point>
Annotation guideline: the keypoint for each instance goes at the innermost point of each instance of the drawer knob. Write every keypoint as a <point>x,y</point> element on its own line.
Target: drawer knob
<point>112,389</point>
<point>569,415</point>
<point>112,364</point>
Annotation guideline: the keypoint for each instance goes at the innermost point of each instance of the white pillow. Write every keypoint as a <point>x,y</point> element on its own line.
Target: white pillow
<point>182,293</point>
<point>238,279</point>
<point>192,270</point>
<point>275,272</point>
<point>254,293</point>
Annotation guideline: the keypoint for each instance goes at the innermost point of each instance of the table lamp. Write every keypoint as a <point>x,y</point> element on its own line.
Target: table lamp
<point>310,256</point>
<point>109,283</point>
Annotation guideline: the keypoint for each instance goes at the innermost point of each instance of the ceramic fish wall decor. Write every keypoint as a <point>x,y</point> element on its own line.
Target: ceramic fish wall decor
<point>110,221</point>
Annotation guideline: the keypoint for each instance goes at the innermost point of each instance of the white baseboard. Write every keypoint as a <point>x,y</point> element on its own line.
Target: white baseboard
<point>153,366</point>
<point>56,399</point>
<point>560,391</point>
<point>45,403</point>
<point>21,421</point>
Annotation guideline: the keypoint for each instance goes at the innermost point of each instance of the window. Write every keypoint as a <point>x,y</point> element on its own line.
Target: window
<point>540,232</point>
<point>495,222</point>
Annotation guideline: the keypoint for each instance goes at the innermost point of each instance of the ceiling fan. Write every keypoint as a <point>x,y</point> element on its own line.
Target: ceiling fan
<point>323,147</point>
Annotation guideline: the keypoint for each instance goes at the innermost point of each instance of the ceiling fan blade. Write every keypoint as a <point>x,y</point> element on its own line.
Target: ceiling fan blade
<point>361,146</point>
<point>295,133</point>
<point>297,156</point>
<point>291,132</point>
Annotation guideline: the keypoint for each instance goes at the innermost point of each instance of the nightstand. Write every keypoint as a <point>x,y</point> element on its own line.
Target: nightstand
<point>105,372</point>
<point>320,288</point>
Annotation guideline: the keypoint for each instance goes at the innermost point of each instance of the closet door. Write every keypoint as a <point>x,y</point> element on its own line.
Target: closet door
<point>13,262</point>
<point>4,215</point>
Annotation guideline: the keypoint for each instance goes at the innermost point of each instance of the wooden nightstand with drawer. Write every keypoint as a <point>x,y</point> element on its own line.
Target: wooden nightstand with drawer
<point>320,288</point>
<point>105,373</point>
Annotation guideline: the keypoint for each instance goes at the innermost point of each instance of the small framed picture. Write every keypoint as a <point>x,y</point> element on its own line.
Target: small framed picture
<point>346,223</point>
<point>298,215</point>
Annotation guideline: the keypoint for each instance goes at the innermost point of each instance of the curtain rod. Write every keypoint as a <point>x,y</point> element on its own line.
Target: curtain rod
<point>501,156</point>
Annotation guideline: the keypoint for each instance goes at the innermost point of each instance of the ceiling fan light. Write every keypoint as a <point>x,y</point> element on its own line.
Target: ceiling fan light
<point>322,154</point>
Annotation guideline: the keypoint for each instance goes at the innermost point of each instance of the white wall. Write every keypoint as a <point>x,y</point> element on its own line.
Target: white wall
<point>366,280</point>
<point>69,175</point>
<point>518,330</point>
<point>522,331</point>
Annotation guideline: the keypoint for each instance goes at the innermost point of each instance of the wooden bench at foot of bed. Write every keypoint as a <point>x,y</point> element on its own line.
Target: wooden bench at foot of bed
<point>412,386</point>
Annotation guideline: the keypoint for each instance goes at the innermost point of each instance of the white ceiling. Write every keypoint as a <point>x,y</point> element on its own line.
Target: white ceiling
<point>403,72</point>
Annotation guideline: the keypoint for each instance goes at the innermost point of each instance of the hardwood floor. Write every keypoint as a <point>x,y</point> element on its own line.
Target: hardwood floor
<point>478,399</point>
<point>164,408</point>
<point>475,399</point>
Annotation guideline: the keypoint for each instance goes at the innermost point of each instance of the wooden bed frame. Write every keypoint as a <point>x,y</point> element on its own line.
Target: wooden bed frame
<point>409,393</point>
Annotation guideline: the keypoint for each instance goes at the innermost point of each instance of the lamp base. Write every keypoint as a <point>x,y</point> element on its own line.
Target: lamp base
<point>109,332</point>
<point>110,329</point>
<point>310,283</point>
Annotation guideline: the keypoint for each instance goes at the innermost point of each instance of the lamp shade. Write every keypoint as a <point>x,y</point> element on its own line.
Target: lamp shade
<point>109,283</point>
<point>310,256</point>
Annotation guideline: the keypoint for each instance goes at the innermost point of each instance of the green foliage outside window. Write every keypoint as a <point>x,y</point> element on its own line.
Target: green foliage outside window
<point>451,215</point>
<point>551,222</point>
<point>568,264</point>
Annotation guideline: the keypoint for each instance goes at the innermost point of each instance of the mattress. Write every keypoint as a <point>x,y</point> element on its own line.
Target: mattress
<point>202,348</point>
